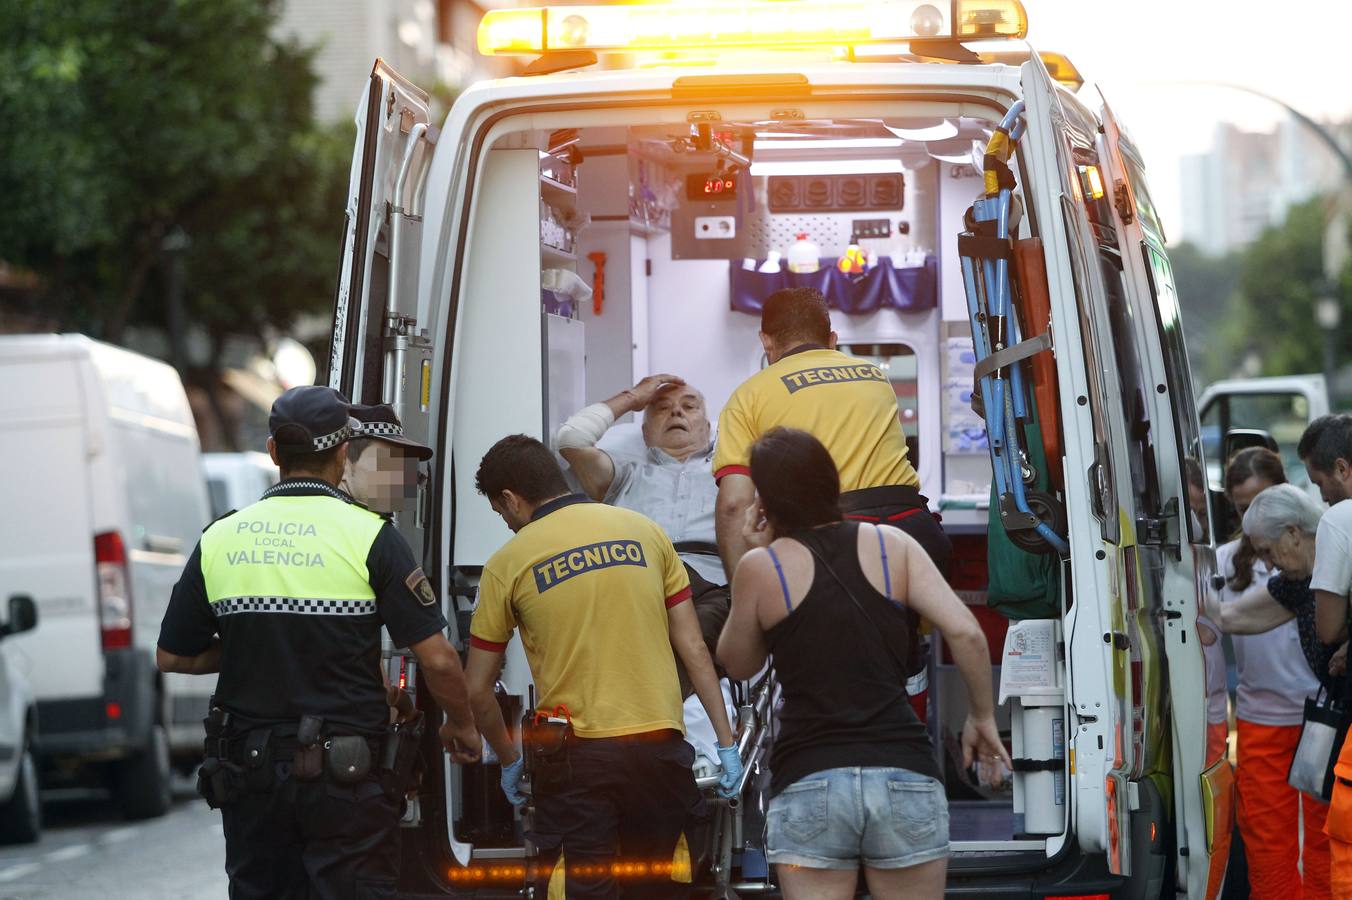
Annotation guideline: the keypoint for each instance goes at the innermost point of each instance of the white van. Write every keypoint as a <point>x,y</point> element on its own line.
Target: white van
<point>676,174</point>
<point>234,480</point>
<point>103,503</point>
<point>1282,405</point>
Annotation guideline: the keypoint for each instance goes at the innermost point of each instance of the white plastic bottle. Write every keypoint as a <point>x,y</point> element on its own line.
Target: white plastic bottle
<point>804,256</point>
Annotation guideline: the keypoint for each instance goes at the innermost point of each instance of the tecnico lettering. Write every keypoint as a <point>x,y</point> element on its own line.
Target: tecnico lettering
<point>560,568</point>
<point>796,381</point>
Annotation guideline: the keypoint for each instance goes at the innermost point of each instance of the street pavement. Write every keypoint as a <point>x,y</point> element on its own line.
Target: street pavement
<point>88,850</point>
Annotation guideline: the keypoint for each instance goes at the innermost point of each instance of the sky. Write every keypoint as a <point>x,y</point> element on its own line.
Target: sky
<point>1143,53</point>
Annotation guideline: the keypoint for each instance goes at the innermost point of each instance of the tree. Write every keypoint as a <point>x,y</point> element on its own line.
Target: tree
<point>1280,278</point>
<point>127,119</point>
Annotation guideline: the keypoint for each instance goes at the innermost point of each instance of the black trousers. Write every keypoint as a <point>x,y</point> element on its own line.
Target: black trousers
<point>313,841</point>
<point>905,508</point>
<point>615,809</point>
<point>713,603</point>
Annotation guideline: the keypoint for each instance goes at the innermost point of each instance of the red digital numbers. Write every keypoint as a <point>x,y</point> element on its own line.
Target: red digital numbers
<point>717,185</point>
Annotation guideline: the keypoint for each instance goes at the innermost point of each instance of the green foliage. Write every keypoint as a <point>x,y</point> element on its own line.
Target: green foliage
<point>126,119</point>
<point>1281,275</point>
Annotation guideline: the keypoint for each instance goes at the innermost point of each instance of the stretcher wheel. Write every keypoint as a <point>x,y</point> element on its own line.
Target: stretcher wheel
<point>1048,510</point>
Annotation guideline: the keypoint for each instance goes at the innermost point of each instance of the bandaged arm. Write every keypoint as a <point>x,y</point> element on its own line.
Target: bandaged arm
<point>576,442</point>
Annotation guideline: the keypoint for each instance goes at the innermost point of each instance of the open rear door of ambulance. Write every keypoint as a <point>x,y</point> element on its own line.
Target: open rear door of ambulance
<point>1099,744</point>
<point>380,352</point>
<point>1203,779</point>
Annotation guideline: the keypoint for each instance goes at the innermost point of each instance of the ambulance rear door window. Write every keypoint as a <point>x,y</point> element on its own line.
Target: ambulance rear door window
<point>1179,376</point>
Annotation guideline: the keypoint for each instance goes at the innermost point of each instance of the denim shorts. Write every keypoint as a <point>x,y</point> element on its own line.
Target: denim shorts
<point>836,819</point>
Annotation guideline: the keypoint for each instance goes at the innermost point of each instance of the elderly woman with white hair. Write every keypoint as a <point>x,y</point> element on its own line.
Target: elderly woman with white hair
<point>1281,523</point>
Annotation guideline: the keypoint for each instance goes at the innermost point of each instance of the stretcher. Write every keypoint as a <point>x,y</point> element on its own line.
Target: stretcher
<point>726,840</point>
<point>1033,519</point>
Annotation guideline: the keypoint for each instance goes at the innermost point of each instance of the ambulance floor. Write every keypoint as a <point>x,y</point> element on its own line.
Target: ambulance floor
<point>980,820</point>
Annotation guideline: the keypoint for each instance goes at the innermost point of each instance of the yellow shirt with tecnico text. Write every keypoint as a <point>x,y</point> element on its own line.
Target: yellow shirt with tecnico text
<point>589,586</point>
<point>848,404</point>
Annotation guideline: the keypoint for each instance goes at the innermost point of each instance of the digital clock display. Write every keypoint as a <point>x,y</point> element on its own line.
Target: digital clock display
<point>707,186</point>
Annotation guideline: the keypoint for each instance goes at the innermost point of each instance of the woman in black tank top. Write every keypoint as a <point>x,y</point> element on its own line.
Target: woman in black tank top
<point>853,780</point>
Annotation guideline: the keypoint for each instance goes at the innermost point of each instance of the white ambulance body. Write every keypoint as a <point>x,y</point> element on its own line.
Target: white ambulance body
<point>440,310</point>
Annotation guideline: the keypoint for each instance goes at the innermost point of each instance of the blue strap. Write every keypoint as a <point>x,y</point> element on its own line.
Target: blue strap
<point>783,584</point>
<point>887,576</point>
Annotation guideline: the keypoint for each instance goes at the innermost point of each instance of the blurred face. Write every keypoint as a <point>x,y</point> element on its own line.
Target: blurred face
<point>1242,494</point>
<point>1292,552</point>
<point>675,421</point>
<point>1334,485</point>
<point>383,478</point>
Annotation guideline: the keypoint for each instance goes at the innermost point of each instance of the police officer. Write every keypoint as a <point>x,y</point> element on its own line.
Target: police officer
<point>601,600</point>
<point>848,404</point>
<point>382,461</point>
<point>285,599</point>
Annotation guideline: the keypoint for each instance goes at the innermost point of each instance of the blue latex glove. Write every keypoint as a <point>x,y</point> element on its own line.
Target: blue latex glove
<point>511,782</point>
<point>732,771</point>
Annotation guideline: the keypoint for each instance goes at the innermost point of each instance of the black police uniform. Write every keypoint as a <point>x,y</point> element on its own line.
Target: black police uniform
<point>282,834</point>
<point>298,586</point>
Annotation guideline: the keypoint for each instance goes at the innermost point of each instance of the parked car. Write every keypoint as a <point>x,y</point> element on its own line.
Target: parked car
<point>104,500</point>
<point>20,808</point>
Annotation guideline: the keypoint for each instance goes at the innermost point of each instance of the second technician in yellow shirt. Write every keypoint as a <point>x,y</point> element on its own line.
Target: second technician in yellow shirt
<point>601,600</point>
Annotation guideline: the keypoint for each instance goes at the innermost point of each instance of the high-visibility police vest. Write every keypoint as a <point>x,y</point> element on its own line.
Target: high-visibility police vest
<point>298,554</point>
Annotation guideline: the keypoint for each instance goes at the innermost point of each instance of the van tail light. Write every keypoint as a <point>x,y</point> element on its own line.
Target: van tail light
<point>110,562</point>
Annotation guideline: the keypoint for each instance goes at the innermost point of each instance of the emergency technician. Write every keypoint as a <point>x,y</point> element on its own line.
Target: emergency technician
<point>285,599</point>
<point>601,600</point>
<point>848,404</point>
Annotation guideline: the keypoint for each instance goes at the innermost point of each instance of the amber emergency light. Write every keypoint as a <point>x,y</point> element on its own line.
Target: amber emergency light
<point>788,23</point>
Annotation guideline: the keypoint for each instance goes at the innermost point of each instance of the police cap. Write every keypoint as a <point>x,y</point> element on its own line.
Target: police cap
<point>379,422</point>
<point>311,418</point>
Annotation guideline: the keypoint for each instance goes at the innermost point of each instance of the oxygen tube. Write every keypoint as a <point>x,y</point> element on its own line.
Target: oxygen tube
<point>985,252</point>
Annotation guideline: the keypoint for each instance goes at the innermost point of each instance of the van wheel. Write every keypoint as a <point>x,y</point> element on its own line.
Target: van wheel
<point>142,783</point>
<point>21,817</point>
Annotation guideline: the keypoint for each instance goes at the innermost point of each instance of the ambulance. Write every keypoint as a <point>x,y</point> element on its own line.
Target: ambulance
<point>985,237</point>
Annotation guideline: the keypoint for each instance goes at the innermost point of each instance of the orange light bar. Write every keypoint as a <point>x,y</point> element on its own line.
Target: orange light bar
<point>784,24</point>
<point>983,19</point>
<point>1058,65</point>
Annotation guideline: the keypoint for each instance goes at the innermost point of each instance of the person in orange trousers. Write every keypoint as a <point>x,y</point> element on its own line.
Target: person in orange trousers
<point>1269,818</point>
<point>1274,679</point>
<point>1338,826</point>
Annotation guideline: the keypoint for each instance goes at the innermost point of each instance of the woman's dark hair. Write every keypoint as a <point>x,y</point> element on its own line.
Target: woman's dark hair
<point>796,479</point>
<point>1249,463</point>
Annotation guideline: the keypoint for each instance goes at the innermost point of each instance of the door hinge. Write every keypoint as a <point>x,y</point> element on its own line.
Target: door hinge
<point>1161,530</point>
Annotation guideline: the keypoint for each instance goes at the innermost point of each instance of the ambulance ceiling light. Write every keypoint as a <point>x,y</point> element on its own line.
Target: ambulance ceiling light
<point>828,167</point>
<point>831,144</point>
<point>787,23</point>
<point>941,132</point>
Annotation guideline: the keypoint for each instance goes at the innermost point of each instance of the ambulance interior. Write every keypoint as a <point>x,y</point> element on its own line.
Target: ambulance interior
<point>657,242</point>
